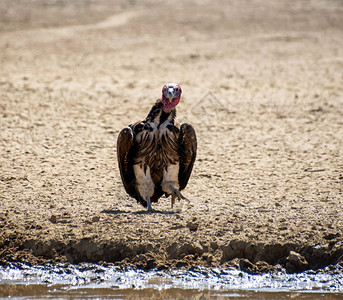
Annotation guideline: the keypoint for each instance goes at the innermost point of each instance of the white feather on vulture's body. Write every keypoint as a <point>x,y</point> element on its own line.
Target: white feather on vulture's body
<point>156,156</point>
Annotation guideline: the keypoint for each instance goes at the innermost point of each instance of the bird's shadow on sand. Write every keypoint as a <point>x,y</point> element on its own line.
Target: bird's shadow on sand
<point>141,212</point>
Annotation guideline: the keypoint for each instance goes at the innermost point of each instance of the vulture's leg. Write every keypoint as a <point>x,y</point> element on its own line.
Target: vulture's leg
<point>173,199</point>
<point>149,204</point>
<point>175,193</point>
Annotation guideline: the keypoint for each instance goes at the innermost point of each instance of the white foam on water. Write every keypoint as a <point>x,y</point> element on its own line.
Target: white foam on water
<point>92,277</point>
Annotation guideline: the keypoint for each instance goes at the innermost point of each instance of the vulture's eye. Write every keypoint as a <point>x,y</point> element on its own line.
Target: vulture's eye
<point>177,89</point>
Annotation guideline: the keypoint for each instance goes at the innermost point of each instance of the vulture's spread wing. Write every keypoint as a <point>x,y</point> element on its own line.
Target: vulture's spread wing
<point>125,160</point>
<point>187,149</point>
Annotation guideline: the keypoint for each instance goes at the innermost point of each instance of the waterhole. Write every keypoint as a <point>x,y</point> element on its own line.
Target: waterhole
<point>115,282</point>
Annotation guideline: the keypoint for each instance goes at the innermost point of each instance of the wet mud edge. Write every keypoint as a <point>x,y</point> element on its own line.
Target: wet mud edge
<point>251,257</point>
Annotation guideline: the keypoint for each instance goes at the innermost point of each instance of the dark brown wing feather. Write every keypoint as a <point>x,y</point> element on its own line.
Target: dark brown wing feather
<point>128,154</point>
<point>187,150</point>
<point>125,160</point>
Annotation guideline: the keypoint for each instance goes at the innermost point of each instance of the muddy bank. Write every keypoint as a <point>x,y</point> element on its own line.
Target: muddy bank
<point>262,86</point>
<point>247,256</point>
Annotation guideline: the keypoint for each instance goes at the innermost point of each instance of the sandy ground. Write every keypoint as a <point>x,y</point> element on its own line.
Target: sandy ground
<point>262,85</point>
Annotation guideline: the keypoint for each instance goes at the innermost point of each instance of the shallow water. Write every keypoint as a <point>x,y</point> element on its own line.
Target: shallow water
<point>96,281</point>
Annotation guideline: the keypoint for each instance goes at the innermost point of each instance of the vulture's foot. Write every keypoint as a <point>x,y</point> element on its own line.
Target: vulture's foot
<point>175,193</point>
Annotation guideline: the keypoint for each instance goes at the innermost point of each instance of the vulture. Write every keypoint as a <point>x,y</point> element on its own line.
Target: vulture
<point>155,155</point>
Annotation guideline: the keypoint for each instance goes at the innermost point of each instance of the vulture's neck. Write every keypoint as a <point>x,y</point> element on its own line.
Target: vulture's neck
<point>168,116</point>
<point>158,116</point>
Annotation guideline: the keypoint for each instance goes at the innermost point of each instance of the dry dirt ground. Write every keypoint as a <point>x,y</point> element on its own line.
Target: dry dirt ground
<point>262,85</point>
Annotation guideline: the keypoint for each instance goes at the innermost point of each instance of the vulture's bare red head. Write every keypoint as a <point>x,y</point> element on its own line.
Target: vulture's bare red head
<point>171,94</point>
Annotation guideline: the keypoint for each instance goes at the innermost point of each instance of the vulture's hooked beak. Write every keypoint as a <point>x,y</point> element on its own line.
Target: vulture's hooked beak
<point>170,94</point>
